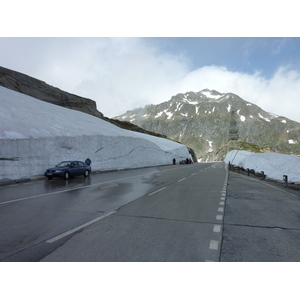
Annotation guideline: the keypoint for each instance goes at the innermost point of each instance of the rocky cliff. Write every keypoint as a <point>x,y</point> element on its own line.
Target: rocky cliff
<point>41,90</point>
<point>208,120</point>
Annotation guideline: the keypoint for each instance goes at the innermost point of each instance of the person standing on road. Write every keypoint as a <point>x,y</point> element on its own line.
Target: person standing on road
<point>88,161</point>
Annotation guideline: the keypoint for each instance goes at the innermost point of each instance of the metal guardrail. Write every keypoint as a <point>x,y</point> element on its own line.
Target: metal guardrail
<point>262,175</point>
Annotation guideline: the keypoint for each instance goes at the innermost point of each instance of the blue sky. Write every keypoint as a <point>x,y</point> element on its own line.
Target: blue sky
<point>249,55</point>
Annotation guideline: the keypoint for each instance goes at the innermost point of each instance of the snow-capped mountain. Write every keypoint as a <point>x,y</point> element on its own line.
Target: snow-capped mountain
<point>206,120</point>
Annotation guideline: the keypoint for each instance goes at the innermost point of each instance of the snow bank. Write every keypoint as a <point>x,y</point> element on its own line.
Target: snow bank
<point>274,165</point>
<point>35,135</point>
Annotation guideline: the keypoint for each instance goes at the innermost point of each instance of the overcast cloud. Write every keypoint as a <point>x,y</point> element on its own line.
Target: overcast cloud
<point>121,74</point>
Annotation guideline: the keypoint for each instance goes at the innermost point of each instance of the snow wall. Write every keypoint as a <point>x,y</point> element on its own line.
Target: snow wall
<point>36,135</point>
<point>274,165</point>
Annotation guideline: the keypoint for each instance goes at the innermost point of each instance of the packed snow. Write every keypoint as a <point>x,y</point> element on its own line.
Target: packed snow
<point>36,135</point>
<point>274,165</point>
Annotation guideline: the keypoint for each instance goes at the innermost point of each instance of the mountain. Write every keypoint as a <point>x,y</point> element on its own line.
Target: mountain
<point>208,120</point>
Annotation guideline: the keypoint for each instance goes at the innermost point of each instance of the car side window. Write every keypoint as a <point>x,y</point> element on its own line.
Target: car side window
<point>80,163</point>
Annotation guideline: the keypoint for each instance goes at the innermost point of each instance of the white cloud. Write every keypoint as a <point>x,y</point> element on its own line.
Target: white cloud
<point>118,73</point>
<point>121,74</point>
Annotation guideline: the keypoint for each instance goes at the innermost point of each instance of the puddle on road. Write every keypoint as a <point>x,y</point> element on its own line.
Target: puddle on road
<point>108,186</point>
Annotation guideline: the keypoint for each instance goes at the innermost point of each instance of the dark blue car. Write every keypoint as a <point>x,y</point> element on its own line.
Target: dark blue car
<point>67,169</point>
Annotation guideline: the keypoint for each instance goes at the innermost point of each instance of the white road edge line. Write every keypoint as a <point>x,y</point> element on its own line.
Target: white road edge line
<point>219,217</point>
<point>60,236</point>
<point>217,228</point>
<point>156,191</point>
<point>213,245</point>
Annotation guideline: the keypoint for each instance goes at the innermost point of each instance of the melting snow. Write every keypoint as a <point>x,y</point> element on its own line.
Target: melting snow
<point>243,118</point>
<point>292,142</point>
<point>179,105</point>
<point>229,107</point>
<point>169,114</point>
<point>159,114</point>
<point>266,119</point>
<point>210,146</point>
<point>208,94</point>
<point>283,121</point>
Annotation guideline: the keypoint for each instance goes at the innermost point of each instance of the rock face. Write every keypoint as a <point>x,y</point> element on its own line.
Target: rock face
<point>207,120</point>
<point>38,89</point>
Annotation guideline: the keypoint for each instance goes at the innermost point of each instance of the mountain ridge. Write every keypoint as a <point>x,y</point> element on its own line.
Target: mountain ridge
<point>203,121</point>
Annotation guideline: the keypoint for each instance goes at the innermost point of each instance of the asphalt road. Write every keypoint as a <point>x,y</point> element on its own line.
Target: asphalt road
<point>261,223</point>
<point>167,206</point>
<point>179,219</point>
<point>188,213</point>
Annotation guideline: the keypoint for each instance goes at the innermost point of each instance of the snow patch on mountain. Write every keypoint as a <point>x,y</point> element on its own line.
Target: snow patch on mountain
<point>292,142</point>
<point>266,119</point>
<point>229,107</point>
<point>242,118</point>
<point>211,94</point>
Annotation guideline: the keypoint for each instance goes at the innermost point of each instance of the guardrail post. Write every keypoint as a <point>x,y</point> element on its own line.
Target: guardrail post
<point>248,171</point>
<point>285,179</point>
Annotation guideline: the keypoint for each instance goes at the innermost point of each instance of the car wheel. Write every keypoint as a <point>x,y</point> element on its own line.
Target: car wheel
<point>67,175</point>
<point>86,173</point>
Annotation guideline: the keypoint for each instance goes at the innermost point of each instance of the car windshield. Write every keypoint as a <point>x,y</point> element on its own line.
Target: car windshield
<point>63,164</point>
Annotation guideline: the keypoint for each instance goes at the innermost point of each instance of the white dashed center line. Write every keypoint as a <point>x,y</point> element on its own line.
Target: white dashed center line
<point>181,179</point>
<point>156,191</point>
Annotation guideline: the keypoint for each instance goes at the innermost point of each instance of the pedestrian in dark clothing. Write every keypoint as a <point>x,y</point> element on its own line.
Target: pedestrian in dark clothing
<point>88,162</point>
<point>174,161</point>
